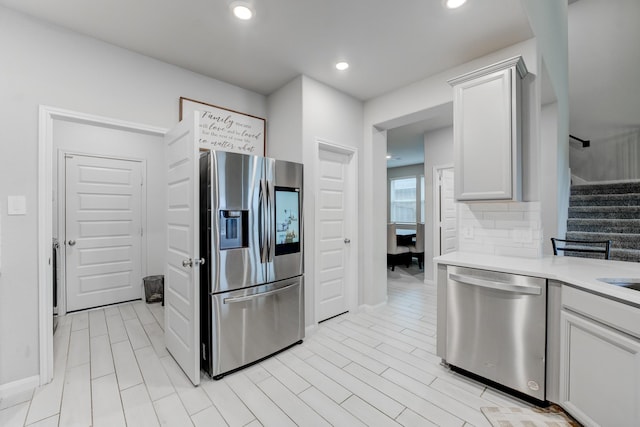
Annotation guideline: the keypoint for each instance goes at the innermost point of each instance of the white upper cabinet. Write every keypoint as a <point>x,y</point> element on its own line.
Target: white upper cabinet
<point>487,132</point>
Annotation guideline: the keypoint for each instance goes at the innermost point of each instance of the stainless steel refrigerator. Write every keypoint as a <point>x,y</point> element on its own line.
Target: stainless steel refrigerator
<point>251,283</point>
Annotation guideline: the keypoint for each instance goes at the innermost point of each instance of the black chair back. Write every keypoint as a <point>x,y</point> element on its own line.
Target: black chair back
<point>582,246</point>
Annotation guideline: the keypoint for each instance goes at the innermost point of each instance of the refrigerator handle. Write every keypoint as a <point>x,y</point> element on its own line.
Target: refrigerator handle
<point>261,219</point>
<point>271,220</point>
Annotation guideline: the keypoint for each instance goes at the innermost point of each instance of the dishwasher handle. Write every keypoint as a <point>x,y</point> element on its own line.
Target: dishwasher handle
<point>500,286</point>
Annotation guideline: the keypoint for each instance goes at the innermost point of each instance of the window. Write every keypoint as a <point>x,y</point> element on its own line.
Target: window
<point>403,199</point>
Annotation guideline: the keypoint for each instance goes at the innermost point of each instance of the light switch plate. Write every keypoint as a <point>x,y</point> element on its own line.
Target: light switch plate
<point>16,205</point>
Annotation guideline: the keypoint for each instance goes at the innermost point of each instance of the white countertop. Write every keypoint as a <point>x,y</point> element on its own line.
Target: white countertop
<point>580,272</point>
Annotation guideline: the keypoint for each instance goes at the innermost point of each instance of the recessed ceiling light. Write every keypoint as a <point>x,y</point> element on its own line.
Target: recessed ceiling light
<point>454,4</point>
<point>242,10</point>
<point>388,156</point>
<point>342,66</point>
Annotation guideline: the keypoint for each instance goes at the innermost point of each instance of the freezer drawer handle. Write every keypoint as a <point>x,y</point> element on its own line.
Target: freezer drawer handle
<point>263,294</point>
<point>500,286</point>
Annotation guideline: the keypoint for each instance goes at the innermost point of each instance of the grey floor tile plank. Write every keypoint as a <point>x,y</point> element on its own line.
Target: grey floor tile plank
<point>330,410</point>
<point>101,357</point>
<point>292,405</point>
<point>267,412</point>
<point>378,399</point>
<point>368,413</point>
<point>230,406</point>
<point>76,400</point>
<point>138,409</point>
<point>97,323</point>
<point>106,402</point>
<point>127,370</point>
<point>14,416</point>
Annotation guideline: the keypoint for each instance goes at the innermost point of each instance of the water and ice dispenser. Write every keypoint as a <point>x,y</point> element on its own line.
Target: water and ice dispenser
<point>233,229</point>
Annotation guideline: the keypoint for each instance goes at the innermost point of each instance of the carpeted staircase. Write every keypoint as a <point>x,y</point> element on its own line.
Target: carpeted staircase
<point>607,212</point>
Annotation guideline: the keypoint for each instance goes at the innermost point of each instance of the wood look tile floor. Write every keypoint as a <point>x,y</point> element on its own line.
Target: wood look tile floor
<point>374,368</point>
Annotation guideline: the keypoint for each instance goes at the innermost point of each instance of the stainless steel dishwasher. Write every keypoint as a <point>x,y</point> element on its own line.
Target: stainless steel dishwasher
<point>496,327</point>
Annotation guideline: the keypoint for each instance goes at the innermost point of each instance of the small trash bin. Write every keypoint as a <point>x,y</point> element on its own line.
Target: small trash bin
<point>153,288</point>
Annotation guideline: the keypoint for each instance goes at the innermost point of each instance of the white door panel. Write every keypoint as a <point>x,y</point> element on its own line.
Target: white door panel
<point>103,207</point>
<point>182,298</point>
<point>333,217</point>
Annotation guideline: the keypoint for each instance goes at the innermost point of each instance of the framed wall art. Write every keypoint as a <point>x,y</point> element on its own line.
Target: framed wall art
<point>227,130</point>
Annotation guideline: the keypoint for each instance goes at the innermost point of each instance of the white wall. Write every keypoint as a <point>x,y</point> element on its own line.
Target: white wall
<point>613,158</point>
<point>388,111</point>
<point>548,138</point>
<point>284,127</point>
<point>438,151</point>
<point>549,22</point>
<point>45,64</point>
<point>326,114</point>
<point>332,116</point>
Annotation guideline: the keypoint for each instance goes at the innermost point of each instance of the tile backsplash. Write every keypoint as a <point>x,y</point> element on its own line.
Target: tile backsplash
<point>508,228</point>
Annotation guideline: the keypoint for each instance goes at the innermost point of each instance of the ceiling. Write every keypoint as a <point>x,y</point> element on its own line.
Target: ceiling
<point>604,87</point>
<point>405,144</point>
<point>389,44</point>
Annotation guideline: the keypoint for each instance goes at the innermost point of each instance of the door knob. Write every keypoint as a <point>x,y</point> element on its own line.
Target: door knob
<point>347,240</point>
<point>71,242</point>
<point>191,262</point>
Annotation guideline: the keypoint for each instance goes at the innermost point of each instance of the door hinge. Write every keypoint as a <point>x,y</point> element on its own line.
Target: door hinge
<point>141,232</point>
<point>204,352</point>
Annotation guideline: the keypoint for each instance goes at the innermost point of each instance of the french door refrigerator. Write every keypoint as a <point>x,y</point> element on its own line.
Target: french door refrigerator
<point>251,282</point>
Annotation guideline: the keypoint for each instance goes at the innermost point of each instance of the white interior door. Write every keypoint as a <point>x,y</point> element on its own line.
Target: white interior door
<point>103,241</point>
<point>182,273</point>
<point>448,213</point>
<point>334,232</point>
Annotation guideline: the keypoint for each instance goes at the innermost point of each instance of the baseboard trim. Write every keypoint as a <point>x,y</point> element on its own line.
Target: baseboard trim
<point>310,330</point>
<point>18,386</point>
<point>367,308</point>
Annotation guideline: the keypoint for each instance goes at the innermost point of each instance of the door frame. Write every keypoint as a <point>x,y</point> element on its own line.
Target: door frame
<point>47,115</point>
<point>62,226</point>
<point>352,207</point>
<point>437,237</point>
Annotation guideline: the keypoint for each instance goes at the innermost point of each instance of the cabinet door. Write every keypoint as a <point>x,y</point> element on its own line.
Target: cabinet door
<point>599,373</point>
<point>485,137</point>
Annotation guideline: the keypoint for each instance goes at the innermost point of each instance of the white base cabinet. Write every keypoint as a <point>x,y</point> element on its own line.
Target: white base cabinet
<point>599,368</point>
